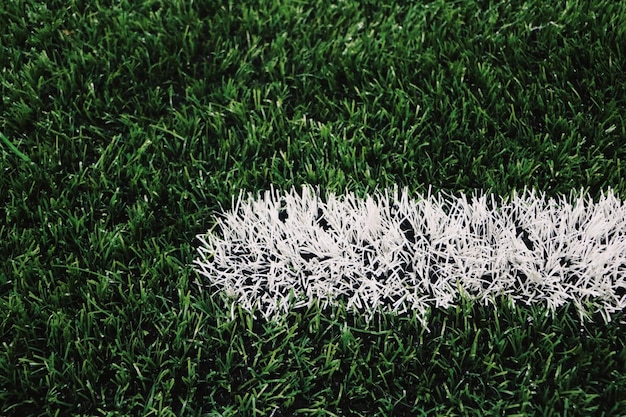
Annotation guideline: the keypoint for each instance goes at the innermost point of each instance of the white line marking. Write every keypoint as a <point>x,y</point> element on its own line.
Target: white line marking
<point>397,253</point>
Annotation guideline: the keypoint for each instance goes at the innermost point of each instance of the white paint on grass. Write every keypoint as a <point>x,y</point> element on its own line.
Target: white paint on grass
<point>397,253</point>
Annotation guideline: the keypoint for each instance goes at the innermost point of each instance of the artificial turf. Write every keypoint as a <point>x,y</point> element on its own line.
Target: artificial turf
<point>125,126</point>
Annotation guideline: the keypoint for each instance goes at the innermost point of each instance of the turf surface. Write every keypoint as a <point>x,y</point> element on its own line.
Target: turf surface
<point>126,125</point>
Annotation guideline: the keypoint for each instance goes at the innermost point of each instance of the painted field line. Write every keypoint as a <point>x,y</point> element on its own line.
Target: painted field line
<point>395,252</point>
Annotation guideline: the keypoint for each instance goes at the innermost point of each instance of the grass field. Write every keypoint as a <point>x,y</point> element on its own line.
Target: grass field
<point>125,125</point>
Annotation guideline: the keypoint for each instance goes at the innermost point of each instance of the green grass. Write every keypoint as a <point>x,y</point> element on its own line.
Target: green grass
<point>125,125</point>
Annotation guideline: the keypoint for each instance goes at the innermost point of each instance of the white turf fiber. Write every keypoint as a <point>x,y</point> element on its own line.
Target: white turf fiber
<point>395,252</point>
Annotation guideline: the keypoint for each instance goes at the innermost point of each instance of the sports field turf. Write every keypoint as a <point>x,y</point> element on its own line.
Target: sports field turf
<point>126,125</point>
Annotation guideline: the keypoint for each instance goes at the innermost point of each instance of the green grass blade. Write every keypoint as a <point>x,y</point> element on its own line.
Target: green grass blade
<point>16,151</point>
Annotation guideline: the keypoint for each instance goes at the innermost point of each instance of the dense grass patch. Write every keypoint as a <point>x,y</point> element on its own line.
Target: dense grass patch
<point>125,125</point>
